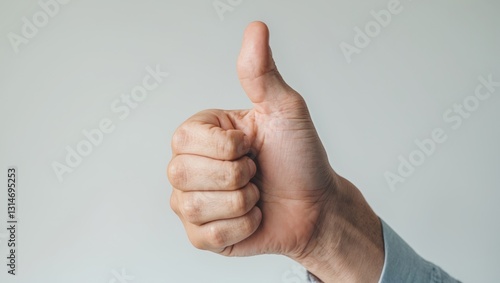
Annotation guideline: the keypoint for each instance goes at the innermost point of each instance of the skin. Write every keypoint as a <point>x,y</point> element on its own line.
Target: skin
<point>258,181</point>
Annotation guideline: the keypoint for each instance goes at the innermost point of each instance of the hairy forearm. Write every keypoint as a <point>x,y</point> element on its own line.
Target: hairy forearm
<point>348,245</point>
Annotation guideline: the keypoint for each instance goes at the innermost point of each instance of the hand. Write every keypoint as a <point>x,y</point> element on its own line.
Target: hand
<point>258,181</point>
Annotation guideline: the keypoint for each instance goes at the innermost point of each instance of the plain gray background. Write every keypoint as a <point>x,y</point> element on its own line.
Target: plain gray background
<point>112,215</point>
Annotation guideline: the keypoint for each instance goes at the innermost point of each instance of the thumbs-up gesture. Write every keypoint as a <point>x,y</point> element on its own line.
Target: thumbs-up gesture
<point>258,181</point>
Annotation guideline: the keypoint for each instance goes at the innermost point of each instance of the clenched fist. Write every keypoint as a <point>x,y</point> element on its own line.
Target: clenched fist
<point>258,181</point>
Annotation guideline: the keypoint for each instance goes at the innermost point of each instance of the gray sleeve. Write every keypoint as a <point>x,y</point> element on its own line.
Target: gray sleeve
<point>403,265</point>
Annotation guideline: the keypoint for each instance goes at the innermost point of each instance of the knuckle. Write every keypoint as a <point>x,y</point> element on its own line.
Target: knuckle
<point>227,174</point>
<point>173,204</point>
<point>227,147</point>
<point>255,191</point>
<point>238,202</point>
<point>191,208</point>
<point>177,173</point>
<point>250,167</point>
<point>238,175</point>
<point>198,243</point>
<point>233,174</point>
<point>247,225</point>
<point>216,237</point>
<point>180,138</point>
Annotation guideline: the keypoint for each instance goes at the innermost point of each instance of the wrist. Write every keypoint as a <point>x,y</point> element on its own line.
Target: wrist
<point>347,245</point>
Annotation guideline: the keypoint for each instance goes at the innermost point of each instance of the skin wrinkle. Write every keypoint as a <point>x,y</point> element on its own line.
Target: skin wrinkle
<point>305,210</point>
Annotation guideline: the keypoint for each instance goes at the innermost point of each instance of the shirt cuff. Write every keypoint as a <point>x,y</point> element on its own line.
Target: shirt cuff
<point>403,264</point>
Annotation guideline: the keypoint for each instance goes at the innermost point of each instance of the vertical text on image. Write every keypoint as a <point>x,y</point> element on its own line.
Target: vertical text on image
<point>12,221</point>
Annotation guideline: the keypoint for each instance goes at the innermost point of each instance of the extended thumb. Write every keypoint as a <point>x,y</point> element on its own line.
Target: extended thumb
<point>257,71</point>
